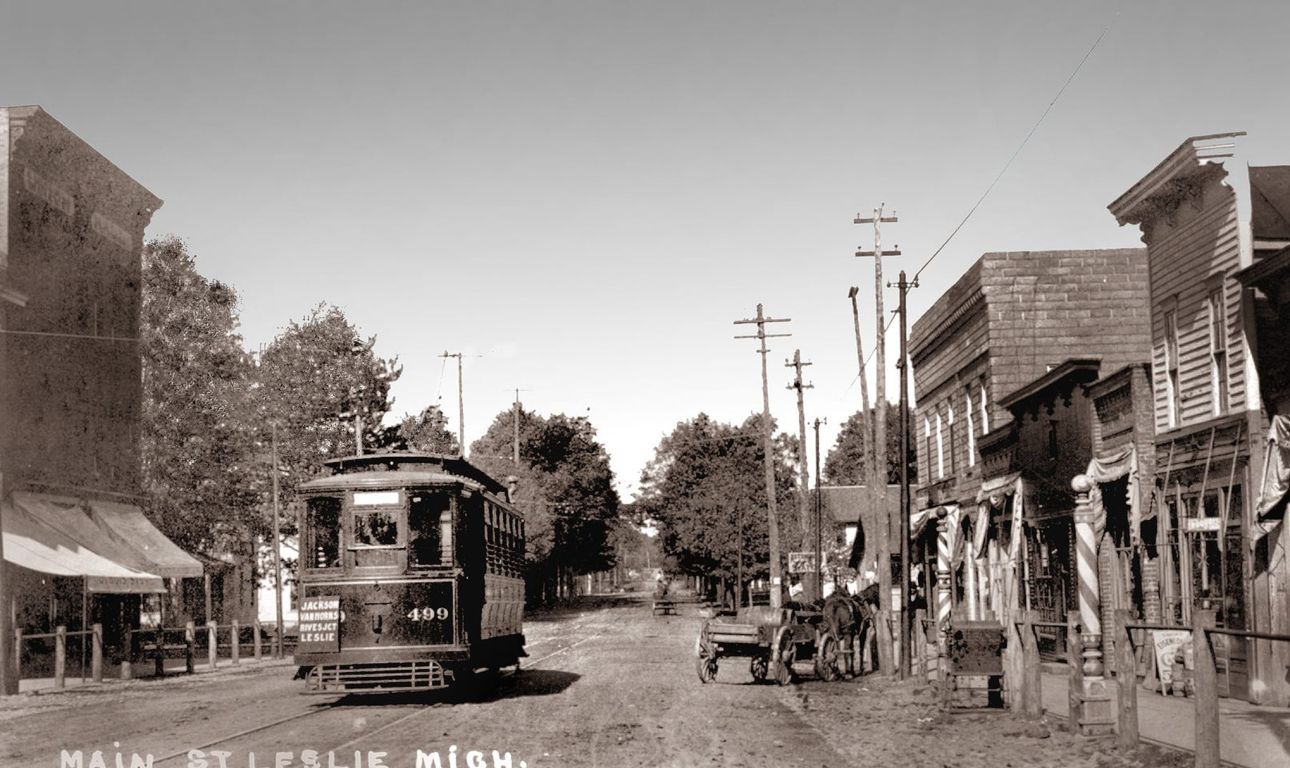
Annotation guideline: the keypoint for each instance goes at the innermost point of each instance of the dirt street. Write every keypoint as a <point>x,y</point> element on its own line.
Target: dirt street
<point>610,685</point>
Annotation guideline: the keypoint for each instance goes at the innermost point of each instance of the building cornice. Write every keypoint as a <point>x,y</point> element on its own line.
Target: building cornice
<point>1177,178</point>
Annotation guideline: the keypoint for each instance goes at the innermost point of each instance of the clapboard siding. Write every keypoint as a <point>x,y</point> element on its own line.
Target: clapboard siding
<point>1189,257</point>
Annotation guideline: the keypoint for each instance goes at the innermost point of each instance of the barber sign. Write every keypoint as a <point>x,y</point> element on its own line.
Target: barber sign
<point>319,625</point>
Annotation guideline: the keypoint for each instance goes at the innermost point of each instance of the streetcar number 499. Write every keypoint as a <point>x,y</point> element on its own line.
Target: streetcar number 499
<point>428,614</point>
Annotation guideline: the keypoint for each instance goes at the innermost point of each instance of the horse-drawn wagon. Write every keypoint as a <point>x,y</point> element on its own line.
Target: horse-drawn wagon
<point>774,639</point>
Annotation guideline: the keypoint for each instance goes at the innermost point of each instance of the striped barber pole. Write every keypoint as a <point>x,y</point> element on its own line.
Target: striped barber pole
<point>944,546</point>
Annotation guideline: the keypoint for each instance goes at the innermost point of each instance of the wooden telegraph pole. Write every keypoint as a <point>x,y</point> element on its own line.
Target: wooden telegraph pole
<point>279,626</point>
<point>905,545</point>
<point>776,575</point>
<point>819,523</point>
<point>805,506</point>
<point>879,467</point>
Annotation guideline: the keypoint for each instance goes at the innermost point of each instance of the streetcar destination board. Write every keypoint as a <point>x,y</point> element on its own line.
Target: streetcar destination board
<point>319,625</point>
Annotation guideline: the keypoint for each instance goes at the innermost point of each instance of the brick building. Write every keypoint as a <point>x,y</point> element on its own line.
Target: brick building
<point>999,328</point>
<point>1194,211</point>
<point>71,236</point>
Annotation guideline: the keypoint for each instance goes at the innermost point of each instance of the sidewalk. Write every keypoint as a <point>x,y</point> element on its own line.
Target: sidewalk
<point>1249,735</point>
<point>144,672</point>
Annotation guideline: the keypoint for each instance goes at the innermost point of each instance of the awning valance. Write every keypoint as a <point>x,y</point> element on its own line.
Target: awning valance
<point>995,492</point>
<point>163,556</point>
<point>1276,471</point>
<point>1108,468</point>
<point>42,545</point>
<point>998,487</point>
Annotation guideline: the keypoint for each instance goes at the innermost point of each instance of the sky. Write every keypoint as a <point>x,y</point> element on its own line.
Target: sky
<point>581,197</point>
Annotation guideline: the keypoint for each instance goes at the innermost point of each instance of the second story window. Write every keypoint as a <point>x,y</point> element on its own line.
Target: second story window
<point>1173,396</point>
<point>954,447</point>
<point>985,414</point>
<point>1218,350</point>
<point>971,429</point>
<point>940,449</point>
<point>927,439</point>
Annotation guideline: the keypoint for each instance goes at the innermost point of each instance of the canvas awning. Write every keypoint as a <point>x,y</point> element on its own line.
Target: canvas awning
<point>994,492</point>
<point>162,555</point>
<point>1110,467</point>
<point>41,545</point>
<point>1276,471</point>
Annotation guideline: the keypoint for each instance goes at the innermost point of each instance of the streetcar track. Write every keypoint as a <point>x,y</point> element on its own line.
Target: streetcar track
<point>336,707</point>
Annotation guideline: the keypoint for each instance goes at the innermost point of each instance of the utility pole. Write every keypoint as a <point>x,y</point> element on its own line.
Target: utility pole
<point>8,667</point>
<point>905,545</point>
<point>879,468</point>
<point>277,555</point>
<point>776,576</point>
<point>804,513</point>
<point>461,405</point>
<point>869,450</point>
<point>819,523</point>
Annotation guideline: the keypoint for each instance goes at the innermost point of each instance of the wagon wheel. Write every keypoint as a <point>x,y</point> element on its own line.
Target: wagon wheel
<point>784,651</point>
<point>826,657</point>
<point>706,662</point>
<point>759,668</point>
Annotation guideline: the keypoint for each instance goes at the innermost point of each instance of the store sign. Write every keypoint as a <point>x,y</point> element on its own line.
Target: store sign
<point>46,190</point>
<point>1165,644</point>
<point>803,562</point>
<point>1196,524</point>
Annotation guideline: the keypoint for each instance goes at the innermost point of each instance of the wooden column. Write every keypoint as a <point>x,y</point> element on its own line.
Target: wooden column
<point>1206,683</point>
<point>234,642</point>
<point>1032,686</point>
<point>212,645</point>
<point>60,657</point>
<point>96,653</point>
<point>1127,674</point>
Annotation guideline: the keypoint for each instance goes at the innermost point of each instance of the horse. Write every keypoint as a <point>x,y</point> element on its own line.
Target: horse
<point>850,620</point>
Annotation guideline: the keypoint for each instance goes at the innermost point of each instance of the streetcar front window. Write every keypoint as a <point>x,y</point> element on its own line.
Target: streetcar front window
<point>430,530</point>
<point>323,525</point>
<point>376,528</point>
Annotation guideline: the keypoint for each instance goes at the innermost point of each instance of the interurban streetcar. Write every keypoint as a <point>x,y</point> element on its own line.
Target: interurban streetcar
<point>411,575</point>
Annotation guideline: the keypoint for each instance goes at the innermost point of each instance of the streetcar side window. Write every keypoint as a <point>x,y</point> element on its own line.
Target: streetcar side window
<point>426,529</point>
<point>322,521</point>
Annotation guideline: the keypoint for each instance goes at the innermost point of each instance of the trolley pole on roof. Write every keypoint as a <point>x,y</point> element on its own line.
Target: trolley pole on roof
<point>776,577</point>
<point>879,467</point>
<point>277,555</point>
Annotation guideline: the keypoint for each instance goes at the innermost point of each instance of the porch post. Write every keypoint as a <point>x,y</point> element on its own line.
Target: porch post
<point>1095,710</point>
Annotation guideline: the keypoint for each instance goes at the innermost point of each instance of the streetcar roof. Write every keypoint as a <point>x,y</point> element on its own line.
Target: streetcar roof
<point>378,479</point>
<point>395,469</point>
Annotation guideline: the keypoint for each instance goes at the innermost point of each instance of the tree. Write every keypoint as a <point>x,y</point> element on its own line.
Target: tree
<point>705,491</point>
<point>565,489</point>
<point>318,381</point>
<point>845,461</point>
<point>426,432</point>
<point>196,440</point>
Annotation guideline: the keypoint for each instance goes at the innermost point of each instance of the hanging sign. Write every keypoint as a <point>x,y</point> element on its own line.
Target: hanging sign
<point>1195,524</point>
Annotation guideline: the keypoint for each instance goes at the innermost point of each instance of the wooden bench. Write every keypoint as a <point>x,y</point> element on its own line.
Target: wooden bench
<point>664,607</point>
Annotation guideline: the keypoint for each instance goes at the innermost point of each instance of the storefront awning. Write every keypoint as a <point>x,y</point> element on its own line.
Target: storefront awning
<point>162,555</point>
<point>41,545</point>
<point>1276,471</point>
<point>998,487</point>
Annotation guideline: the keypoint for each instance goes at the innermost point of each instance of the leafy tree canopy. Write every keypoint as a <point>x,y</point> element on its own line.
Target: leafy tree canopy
<point>197,441</point>
<point>845,462</point>
<point>705,490</point>
<point>426,432</point>
<point>564,487</point>
<point>316,381</point>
